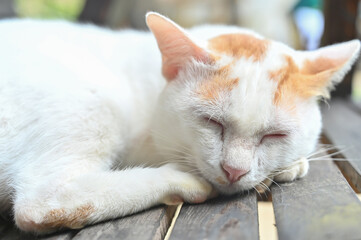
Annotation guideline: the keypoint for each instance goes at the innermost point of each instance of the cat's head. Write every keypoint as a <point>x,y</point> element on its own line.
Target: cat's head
<point>238,107</point>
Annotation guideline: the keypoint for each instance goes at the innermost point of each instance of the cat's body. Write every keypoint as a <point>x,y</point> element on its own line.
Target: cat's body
<point>91,98</point>
<point>80,106</point>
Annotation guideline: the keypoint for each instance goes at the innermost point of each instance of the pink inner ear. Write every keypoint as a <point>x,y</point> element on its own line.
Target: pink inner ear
<point>331,58</point>
<point>322,64</point>
<point>176,47</point>
<point>175,58</point>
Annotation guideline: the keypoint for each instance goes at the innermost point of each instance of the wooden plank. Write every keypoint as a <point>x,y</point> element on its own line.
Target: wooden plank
<point>150,224</point>
<point>342,126</point>
<point>356,104</point>
<point>320,206</point>
<point>12,233</point>
<point>222,218</point>
<point>4,226</point>
<point>9,231</point>
<point>67,235</point>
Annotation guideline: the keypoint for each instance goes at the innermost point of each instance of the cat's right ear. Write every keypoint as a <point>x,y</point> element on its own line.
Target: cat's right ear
<point>176,47</point>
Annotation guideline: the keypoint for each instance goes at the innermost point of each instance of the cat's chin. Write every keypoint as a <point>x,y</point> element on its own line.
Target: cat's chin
<point>232,189</point>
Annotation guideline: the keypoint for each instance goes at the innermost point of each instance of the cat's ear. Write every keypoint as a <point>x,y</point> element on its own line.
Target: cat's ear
<point>329,65</point>
<point>175,45</point>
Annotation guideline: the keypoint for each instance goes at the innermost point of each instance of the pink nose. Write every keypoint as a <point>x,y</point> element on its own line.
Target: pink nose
<point>234,174</point>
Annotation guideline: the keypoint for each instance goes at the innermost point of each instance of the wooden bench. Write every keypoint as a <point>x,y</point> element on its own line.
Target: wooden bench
<point>322,205</point>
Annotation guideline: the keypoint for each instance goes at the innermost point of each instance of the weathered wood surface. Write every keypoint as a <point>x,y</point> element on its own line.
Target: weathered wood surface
<point>320,206</point>
<point>150,224</point>
<point>222,218</point>
<point>342,126</point>
<point>60,236</point>
<point>8,231</point>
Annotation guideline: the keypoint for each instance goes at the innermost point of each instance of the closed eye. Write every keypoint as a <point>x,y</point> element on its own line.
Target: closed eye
<point>214,122</point>
<point>273,136</point>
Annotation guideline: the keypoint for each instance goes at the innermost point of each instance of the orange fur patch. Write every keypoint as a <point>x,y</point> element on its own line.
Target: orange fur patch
<point>220,180</point>
<point>310,80</point>
<point>240,45</point>
<point>219,82</point>
<point>59,218</point>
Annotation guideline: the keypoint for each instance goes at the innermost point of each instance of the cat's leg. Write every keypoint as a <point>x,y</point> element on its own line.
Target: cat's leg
<point>98,196</point>
<point>298,170</point>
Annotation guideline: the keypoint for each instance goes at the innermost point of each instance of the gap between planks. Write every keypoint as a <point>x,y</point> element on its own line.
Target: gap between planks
<point>266,219</point>
<point>343,164</point>
<point>347,134</point>
<point>174,219</point>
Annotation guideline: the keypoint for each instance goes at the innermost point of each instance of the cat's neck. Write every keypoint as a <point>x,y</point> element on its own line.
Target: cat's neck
<point>142,152</point>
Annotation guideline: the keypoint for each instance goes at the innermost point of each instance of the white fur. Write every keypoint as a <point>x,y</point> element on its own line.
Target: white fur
<point>87,118</point>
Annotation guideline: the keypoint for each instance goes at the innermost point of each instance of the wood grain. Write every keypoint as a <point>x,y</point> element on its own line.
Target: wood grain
<point>342,126</point>
<point>67,235</point>
<point>4,226</point>
<point>150,224</point>
<point>8,231</point>
<point>222,218</point>
<point>320,206</point>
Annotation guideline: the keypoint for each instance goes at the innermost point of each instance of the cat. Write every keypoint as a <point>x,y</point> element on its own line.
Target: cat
<point>96,124</point>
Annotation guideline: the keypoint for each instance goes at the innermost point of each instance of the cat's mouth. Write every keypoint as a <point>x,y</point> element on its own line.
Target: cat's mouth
<point>228,188</point>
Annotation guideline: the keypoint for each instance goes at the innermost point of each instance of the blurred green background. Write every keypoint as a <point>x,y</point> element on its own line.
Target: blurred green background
<point>67,9</point>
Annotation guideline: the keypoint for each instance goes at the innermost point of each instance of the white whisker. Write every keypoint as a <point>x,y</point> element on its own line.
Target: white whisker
<point>275,183</point>
<point>259,194</point>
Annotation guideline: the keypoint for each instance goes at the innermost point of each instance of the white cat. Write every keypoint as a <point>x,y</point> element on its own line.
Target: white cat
<point>91,130</point>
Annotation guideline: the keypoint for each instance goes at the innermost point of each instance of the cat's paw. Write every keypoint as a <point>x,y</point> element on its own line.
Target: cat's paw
<point>298,170</point>
<point>186,187</point>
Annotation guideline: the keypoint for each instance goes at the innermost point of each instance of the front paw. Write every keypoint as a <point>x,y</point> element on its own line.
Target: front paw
<point>298,170</point>
<point>186,187</point>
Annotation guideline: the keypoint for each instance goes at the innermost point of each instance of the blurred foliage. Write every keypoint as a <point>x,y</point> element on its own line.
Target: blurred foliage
<point>356,85</point>
<point>67,9</point>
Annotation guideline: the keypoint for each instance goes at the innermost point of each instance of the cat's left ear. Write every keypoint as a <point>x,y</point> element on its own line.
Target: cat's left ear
<point>175,45</point>
<point>329,65</point>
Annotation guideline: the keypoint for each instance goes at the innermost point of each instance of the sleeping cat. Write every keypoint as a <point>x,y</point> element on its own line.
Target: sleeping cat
<point>96,124</point>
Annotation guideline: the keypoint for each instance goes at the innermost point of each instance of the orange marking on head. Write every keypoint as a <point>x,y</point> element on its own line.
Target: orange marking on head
<point>240,45</point>
<point>218,82</point>
<point>310,80</point>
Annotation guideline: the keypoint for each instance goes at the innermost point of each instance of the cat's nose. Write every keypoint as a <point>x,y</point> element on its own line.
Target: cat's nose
<point>233,174</point>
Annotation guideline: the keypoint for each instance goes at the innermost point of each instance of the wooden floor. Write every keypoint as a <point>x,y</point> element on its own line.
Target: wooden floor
<point>323,205</point>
